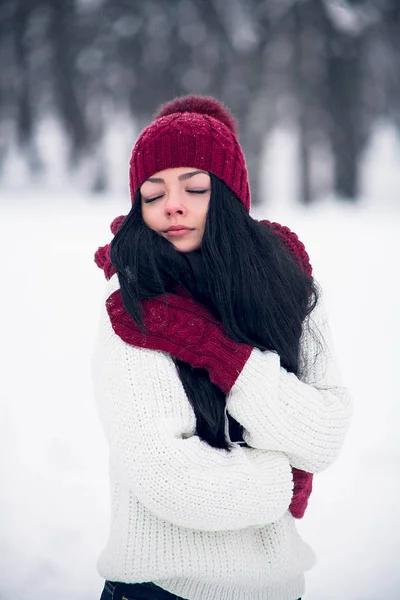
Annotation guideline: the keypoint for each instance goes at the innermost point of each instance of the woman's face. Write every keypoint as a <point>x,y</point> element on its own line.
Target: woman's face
<point>177,197</point>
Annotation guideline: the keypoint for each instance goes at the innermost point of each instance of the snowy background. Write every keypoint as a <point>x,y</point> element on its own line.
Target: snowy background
<point>54,490</point>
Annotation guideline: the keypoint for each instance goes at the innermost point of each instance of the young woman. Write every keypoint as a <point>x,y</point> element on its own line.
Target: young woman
<point>214,376</point>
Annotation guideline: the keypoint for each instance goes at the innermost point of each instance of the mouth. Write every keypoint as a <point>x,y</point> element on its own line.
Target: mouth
<point>177,231</point>
<point>177,227</point>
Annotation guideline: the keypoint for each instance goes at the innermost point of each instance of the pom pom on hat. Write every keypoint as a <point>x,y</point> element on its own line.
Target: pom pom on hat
<point>204,105</point>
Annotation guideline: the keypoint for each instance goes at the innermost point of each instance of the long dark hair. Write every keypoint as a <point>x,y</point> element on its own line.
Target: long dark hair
<point>242,273</point>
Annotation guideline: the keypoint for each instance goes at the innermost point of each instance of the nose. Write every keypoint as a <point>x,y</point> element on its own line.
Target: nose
<point>173,205</point>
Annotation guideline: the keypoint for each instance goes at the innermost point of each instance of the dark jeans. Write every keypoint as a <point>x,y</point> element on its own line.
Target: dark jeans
<point>136,591</point>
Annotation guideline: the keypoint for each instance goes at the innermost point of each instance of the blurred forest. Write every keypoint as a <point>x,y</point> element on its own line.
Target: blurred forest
<point>331,67</point>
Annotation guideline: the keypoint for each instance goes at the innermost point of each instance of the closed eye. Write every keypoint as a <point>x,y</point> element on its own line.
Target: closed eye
<point>147,200</point>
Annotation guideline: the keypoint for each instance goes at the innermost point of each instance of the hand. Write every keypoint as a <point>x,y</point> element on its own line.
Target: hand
<point>186,330</point>
<point>302,489</point>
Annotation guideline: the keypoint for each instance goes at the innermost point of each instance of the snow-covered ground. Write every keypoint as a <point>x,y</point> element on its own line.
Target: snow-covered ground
<point>53,469</point>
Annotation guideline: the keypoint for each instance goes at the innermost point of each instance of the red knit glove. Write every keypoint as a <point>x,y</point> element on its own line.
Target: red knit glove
<point>302,488</point>
<point>186,330</point>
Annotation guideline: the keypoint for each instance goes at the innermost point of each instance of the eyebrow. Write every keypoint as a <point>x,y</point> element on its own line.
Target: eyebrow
<point>181,177</point>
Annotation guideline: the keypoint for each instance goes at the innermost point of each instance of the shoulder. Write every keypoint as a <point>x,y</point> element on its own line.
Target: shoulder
<point>123,372</point>
<point>292,243</point>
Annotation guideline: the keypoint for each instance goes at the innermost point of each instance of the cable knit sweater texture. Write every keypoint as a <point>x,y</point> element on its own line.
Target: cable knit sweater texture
<point>198,521</point>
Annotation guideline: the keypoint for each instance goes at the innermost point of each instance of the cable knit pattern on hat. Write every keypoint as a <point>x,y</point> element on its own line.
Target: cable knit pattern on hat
<point>192,131</point>
<point>198,521</point>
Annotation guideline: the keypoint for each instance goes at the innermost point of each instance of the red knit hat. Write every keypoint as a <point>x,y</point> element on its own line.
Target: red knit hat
<point>191,131</point>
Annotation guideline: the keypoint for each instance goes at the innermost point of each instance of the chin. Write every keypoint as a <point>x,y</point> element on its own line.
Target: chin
<point>186,246</point>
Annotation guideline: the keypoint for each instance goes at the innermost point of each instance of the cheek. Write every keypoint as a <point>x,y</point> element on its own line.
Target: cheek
<point>149,217</point>
<point>204,216</point>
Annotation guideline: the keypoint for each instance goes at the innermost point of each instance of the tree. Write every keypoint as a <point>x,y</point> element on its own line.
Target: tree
<point>269,61</point>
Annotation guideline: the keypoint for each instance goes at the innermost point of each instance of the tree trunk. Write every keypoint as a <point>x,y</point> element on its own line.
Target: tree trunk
<point>302,84</point>
<point>63,39</point>
<point>344,105</point>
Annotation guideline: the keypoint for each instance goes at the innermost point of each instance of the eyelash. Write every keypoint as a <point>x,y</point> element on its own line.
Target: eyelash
<point>148,200</point>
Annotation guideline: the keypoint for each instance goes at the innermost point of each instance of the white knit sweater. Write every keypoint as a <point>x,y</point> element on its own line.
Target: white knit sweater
<point>198,521</point>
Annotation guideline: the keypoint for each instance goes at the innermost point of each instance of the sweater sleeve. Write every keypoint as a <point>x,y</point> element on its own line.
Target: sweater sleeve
<point>150,426</point>
<point>307,416</point>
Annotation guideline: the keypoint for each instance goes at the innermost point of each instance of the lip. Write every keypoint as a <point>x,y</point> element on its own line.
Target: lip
<point>176,230</point>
